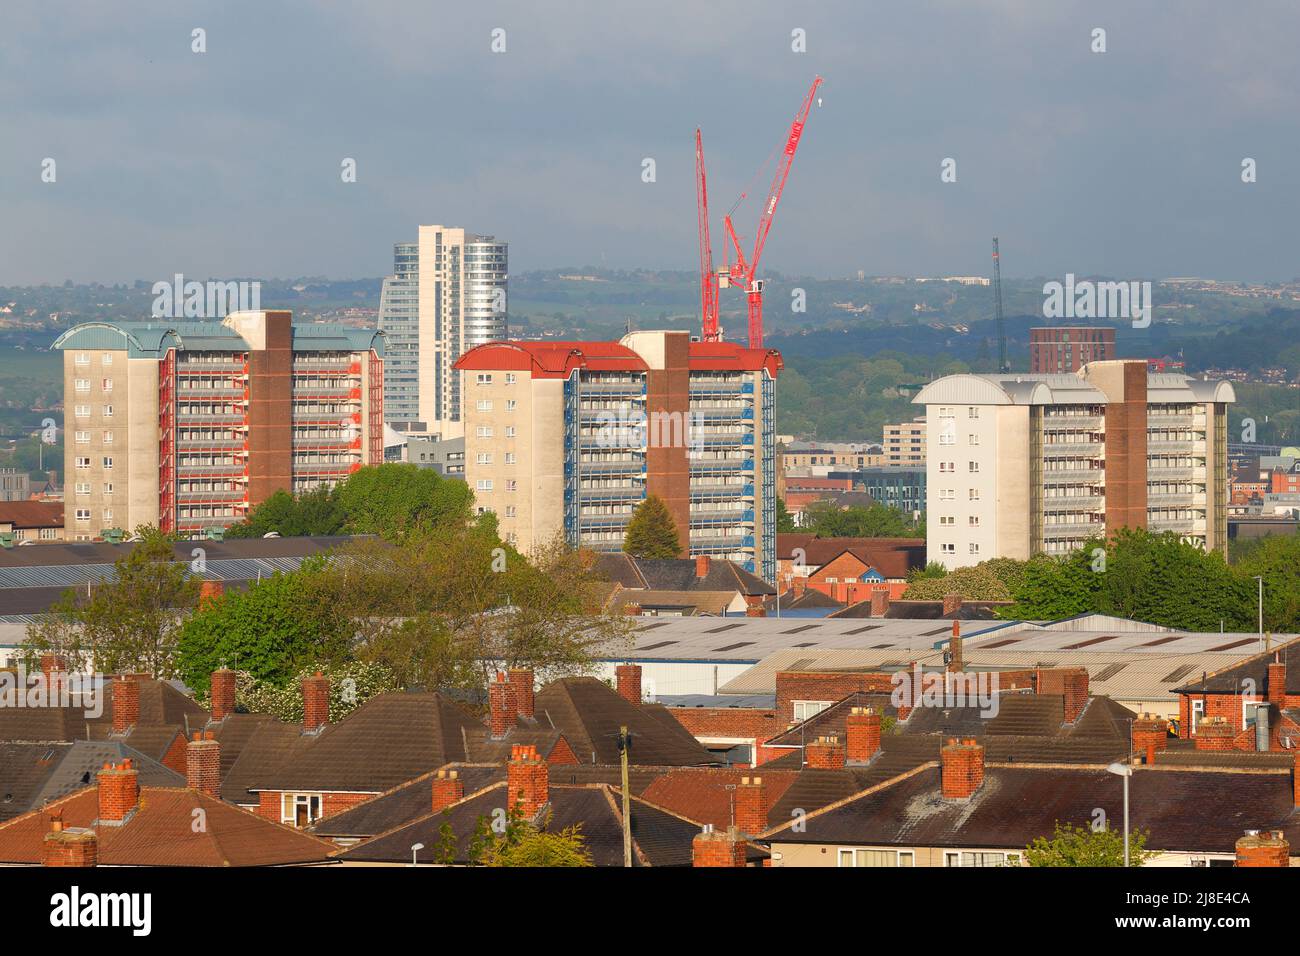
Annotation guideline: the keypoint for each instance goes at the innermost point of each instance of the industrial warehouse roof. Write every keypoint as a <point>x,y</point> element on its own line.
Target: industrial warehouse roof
<point>1038,388</point>
<point>1032,637</point>
<point>153,339</point>
<point>1130,676</point>
<point>750,639</point>
<point>32,579</point>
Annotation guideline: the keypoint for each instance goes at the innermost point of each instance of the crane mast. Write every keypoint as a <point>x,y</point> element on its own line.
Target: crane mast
<point>1003,365</point>
<point>711,331</point>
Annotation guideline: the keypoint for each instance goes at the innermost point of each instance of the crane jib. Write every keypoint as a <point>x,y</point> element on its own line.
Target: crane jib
<point>795,132</point>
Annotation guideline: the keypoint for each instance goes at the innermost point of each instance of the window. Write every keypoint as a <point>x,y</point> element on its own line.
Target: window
<point>947,520</point>
<point>512,485</point>
<point>510,458</point>
<point>108,462</point>
<point>484,405</point>
<point>108,411</point>
<point>82,359</point>
<point>83,462</point>
<point>948,548</point>
<point>108,487</point>
<point>973,439</point>
<point>511,378</point>
<point>83,438</point>
<point>82,385</point>
<point>108,385</point>
<point>484,458</point>
<point>484,378</point>
<point>974,548</point>
<point>947,494</point>
<point>1198,712</point>
<point>106,358</point>
<point>510,431</point>
<point>510,511</point>
<point>484,431</point>
<point>82,411</point>
<point>300,809</point>
<point>83,514</point>
<point>973,412</point>
<point>974,494</point>
<point>977,858</point>
<point>108,438</point>
<point>511,404</point>
<point>83,487</point>
<point>803,709</point>
<point>876,858</point>
<point>108,516</point>
<point>945,467</point>
<point>484,484</point>
<point>974,521</point>
<point>974,467</point>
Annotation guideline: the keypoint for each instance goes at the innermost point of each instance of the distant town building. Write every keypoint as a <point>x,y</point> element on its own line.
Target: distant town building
<point>15,485</point>
<point>567,438</point>
<point>1068,349</point>
<point>447,295</point>
<point>904,444</point>
<point>22,521</point>
<point>186,425</point>
<point>1023,464</point>
<point>445,456</point>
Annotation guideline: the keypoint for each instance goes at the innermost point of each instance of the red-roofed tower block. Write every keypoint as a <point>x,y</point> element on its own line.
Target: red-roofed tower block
<point>528,779</point>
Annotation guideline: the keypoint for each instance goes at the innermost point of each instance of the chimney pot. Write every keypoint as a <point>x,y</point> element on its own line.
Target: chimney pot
<point>752,806</point>
<point>203,765</point>
<point>712,848</point>
<point>528,780</point>
<point>1257,849</point>
<point>825,753</point>
<point>447,789</point>
<point>119,792</point>
<point>502,707</point>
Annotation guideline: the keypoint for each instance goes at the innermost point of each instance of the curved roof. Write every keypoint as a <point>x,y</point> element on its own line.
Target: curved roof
<point>560,359</point>
<point>153,339</point>
<point>1026,389</point>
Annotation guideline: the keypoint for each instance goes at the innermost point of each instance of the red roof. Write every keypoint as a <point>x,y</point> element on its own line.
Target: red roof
<point>559,359</point>
<point>32,514</point>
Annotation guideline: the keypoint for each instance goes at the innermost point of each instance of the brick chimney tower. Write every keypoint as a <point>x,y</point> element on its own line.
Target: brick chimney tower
<point>119,792</point>
<point>203,764</point>
<point>223,694</point>
<point>712,848</point>
<point>1277,681</point>
<point>1214,733</point>
<point>955,663</point>
<point>503,710</point>
<point>862,728</point>
<point>528,779</point>
<point>521,678</point>
<point>751,805</point>
<point>315,703</point>
<point>824,753</point>
<point>628,679</point>
<point>447,789</point>
<point>951,604</point>
<point>64,846</point>
<point>702,563</point>
<point>1150,735</point>
<point>126,704</point>
<point>879,600</point>
<point>1258,848</point>
<point>962,765</point>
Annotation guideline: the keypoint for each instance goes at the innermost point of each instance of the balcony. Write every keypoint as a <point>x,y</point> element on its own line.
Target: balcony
<point>1072,476</point>
<point>1074,503</point>
<point>1089,423</point>
<point>1074,529</point>
<point>1175,500</point>
<point>1157,445</point>
<point>1072,449</point>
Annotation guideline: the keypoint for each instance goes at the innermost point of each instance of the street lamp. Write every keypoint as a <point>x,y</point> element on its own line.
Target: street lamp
<point>1260,579</point>
<point>1123,770</point>
<point>416,848</point>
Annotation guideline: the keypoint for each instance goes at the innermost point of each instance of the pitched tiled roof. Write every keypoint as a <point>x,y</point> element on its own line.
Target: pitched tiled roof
<point>32,514</point>
<point>1254,669</point>
<point>892,557</point>
<point>161,832</point>
<point>404,804</point>
<point>270,747</point>
<point>589,713</point>
<point>659,837</point>
<point>386,741</point>
<point>706,794</point>
<point>1197,811</point>
<point>79,762</point>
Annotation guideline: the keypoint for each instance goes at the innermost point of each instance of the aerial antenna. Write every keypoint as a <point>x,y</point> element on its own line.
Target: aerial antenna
<point>1003,365</point>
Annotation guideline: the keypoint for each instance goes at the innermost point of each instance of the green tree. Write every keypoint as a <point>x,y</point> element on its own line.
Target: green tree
<point>130,621</point>
<point>828,520</point>
<point>784,520</point>
<point>394,500</point>
<point>1084,846</point>
<point>652,533</point>
<point>975,583</point>
<point>351,685</point>
<point>278,626</point>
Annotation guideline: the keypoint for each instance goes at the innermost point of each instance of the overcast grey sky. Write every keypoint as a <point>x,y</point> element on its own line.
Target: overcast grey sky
<point>1126,163</point>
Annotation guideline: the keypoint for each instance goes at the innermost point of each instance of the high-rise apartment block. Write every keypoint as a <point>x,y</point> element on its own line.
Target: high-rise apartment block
<point>1068,349</point>
<point>447,295</point>
<point>567,438</point>
<point>186,425</point>
<point>904,444</point>
<point>1021,464</point>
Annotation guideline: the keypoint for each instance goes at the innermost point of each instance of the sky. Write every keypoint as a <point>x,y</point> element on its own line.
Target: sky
<point>1126,163</point>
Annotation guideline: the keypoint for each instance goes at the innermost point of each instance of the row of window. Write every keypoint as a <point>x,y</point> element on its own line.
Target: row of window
<point>83,385</point>
<point>83,411</point>
<point>950,494</point>
<point>949,521</point>
<point>83,438</point>
<point>950,467</point>
<point>485,431</point>
<point>485,378</point>
<point>83,514</point>
<point>486,484</point>
<point>83,461</point>
<point>949,548</point>
<point>83,359</point>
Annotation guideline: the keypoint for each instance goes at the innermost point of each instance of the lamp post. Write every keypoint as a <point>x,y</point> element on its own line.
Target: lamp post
<point>1260,579</point>
<point>1125,771</point>
<point>415,848</point>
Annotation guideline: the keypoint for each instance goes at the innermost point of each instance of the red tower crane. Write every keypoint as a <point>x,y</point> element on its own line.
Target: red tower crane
<point>708,278</point>
<point>742,273</point>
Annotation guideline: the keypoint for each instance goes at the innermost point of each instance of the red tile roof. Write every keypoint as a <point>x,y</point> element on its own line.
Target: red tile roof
<point>559,359</point>
<point>32,514</point>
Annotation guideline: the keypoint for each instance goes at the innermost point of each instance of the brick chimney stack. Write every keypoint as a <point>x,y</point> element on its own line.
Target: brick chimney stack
<point>755,610</point>
<point>951,604</point>
<point>315,702</point>
<point>1071,683</point>
<point>751,805</point>
<point>1150,735</point>
<point>503,710</point>
<point>203,764</point>
<point>119,792</point>
<point>69,846</point>
<point>521,678</point>
<point>54,667</point>
<point>210,591</point>
<point>799,585</point>
<point>126,704</point>
<point>702,563</point>
<point>862,728</point>
<point>1214,733</point>
<point>824,753</point>
<point>1263,849</point>
<point>962,763</point>
<point>447,789</point>
<point>223,694</point>
<point>628,679</point>
<point>718,848</point>
<point>1277,681</point>
<point>528,779</point>
<point>955,663</point>
<point>1295,779</point>
<point>879,600</point>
